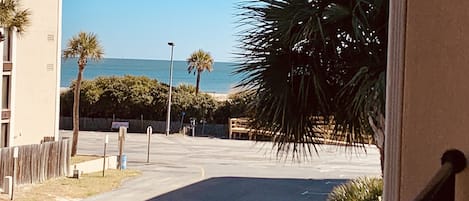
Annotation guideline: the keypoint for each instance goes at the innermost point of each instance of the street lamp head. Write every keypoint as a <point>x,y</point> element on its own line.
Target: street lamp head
<point>170,43</point>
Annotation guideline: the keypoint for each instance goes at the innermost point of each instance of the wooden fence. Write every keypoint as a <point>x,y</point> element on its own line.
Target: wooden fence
<point>36,163</point>
<point>140,126</point>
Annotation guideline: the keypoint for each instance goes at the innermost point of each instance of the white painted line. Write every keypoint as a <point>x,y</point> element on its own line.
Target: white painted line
<point>202,172</point>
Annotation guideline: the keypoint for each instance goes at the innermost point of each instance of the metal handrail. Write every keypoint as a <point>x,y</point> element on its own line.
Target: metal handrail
<point>442,185</point>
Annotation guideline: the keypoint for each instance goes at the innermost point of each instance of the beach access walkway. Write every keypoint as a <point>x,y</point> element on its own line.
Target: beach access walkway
<point>184,168</point>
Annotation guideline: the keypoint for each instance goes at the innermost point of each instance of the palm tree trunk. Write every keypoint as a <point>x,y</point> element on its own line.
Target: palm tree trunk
<point>378,129</point>
<point>76,111</point>
<point>197,83</point>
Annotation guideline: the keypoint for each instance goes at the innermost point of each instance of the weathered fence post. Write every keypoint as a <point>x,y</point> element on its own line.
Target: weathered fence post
<point>106,140</point>
<point>141,122</point>
<point>8,185</point>
<point>15,160</point>
<point>182,121</point>
<point>35,163</point>
<point>203,126</point>
<point>122,133</point>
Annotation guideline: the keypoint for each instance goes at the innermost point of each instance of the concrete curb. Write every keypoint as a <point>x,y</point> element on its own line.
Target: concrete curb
<point>94,165</point>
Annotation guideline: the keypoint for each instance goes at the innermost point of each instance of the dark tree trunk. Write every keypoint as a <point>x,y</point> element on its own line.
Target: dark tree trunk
<point>378,129</point>
<point>76,111</point>
<point>197,83</point>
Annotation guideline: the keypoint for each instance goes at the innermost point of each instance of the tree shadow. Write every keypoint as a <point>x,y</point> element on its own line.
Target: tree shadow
<point>253,189</point>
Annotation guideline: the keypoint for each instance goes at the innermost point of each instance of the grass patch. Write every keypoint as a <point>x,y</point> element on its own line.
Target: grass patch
<point>83,158</point>
<point>361,189</point>
<point>69,188</point>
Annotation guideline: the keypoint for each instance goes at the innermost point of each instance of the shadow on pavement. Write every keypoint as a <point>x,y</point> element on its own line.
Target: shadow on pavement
<point>253,189</point>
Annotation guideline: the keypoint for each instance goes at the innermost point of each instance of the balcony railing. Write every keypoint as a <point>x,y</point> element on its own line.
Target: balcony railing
<point>7,66</point>
<point>442,185</point>
<point>6,114</point>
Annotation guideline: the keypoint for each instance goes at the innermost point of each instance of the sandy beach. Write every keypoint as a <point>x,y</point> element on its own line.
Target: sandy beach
<point>219,96</point>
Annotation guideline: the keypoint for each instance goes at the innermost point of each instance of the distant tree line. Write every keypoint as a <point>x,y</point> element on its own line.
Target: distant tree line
<point>129,97</point>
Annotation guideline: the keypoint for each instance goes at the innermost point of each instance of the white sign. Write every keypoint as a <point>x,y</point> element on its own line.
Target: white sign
<point>107,139</point>
<point>15,152</point>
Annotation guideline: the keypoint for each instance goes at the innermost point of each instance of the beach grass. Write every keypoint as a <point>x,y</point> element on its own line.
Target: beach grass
<point>73,189</point>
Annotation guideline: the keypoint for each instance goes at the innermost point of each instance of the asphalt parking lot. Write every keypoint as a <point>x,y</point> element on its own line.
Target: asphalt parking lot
<point>184,168</point>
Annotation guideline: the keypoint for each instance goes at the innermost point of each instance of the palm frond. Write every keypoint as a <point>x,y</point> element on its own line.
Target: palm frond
<point>199,61</point>
<point>11,15</point>
<point>84,46</point>
<point>310,59</point>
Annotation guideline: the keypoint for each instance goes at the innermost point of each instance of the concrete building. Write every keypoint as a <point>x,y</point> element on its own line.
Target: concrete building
<point>31,76</point>
<point>427,94</point>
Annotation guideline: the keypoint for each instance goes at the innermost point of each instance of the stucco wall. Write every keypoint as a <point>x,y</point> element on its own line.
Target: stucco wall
<point>436,91</point>
<point>36,77</point>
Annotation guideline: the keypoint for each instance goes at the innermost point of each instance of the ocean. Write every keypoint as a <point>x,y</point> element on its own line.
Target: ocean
<point>220,80</point>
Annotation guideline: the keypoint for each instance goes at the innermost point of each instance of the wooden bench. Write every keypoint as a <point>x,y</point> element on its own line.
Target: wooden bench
<point>239,127</point>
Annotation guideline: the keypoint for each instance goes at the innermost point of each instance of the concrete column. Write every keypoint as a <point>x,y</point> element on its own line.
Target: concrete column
<point>58,67</point>
<point>2,30</point>
<point>14,43</point>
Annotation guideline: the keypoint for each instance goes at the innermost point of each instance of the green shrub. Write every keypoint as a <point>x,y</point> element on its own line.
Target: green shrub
<point>201,106</point>
<point>237,105</point>
<point>129,97</point>
<point>361,189</point>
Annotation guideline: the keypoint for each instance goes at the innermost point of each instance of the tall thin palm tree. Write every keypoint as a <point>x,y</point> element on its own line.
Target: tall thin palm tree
<point>198,62</point>
<point>83,46</point>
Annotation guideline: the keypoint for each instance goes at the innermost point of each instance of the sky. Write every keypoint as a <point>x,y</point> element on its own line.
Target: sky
<point>141,29</point>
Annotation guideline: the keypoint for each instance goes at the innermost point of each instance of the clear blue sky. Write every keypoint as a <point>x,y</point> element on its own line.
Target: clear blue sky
<point>141,28</point>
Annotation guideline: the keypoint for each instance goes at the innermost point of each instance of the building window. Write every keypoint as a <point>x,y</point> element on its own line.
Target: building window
<point>6,92</point>
<point>4,135</point>
<point>6,46</point>
<point>2,36</point>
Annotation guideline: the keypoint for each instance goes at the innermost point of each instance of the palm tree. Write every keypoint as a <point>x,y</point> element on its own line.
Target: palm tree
<point>309,59</point>
<point>12,16</point>
<point>83,46</point>
<point>198,62</point>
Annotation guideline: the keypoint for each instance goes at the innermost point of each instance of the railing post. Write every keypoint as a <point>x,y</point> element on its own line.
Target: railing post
<point>455,157</point>
<point>442,185</point>
<point>458,161</point>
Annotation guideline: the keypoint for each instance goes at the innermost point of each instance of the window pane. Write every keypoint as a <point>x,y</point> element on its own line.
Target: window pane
<point>6,47</point>
<point>6,92</point>
<point>4,136</point>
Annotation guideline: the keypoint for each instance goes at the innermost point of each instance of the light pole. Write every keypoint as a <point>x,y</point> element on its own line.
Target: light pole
<point>168,117</point>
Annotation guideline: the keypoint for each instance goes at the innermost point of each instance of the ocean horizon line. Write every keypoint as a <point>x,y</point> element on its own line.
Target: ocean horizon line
<point>221,79</point>
<point>154,59</point>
